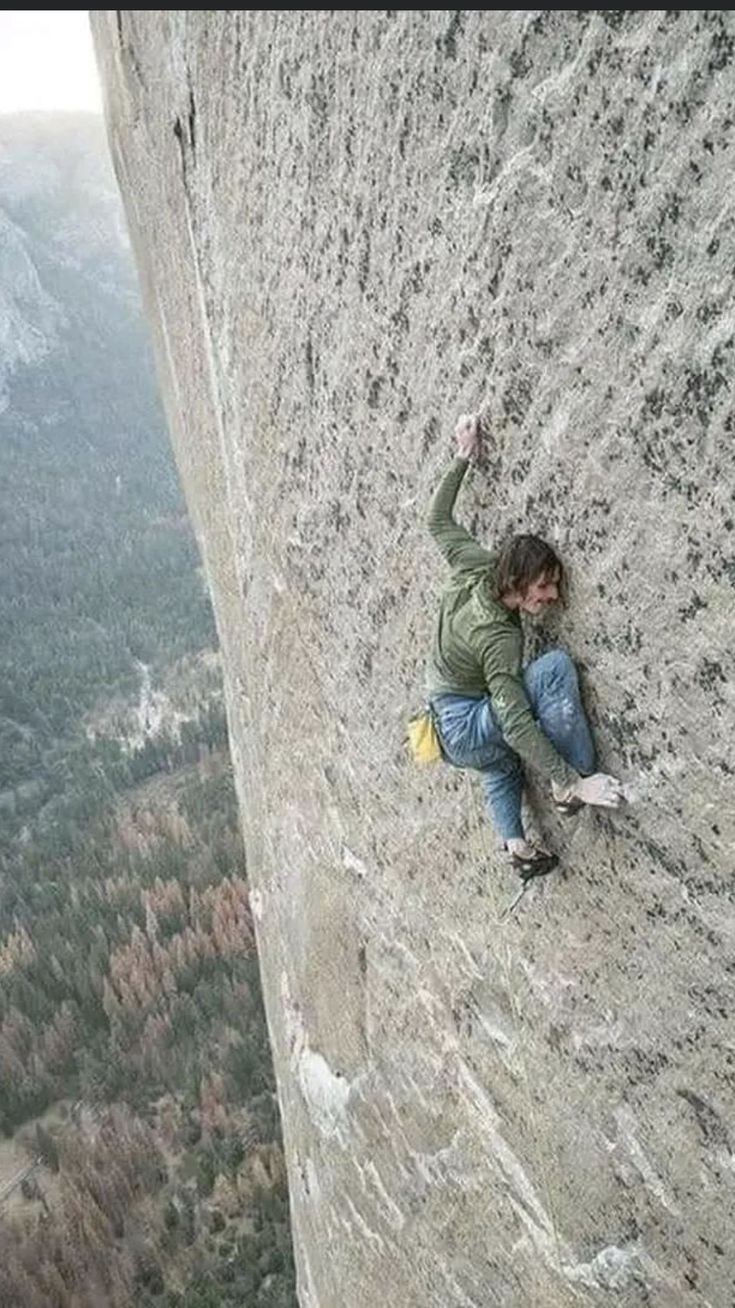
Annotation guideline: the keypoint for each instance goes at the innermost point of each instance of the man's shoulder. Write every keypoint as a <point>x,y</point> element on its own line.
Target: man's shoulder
<point>487,608</point>
<point>483,617</point>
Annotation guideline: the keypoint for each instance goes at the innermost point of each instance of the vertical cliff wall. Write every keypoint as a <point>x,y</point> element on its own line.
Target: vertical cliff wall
<point>349,228</point>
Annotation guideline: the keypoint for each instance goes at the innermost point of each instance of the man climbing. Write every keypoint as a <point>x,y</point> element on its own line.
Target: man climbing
<point>492,714</point>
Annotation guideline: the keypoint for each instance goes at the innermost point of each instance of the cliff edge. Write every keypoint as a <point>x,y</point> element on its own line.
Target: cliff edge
<point>350,226</point>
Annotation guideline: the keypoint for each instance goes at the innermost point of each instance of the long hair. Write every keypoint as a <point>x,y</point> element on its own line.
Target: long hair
<point>523,560</point>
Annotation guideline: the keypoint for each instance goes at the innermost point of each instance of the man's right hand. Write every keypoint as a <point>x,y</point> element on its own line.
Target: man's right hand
<point>467,435</point>
<point>599,790</point>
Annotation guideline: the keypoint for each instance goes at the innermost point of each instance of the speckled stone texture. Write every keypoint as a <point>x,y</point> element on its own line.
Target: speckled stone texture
<point>350,228</point>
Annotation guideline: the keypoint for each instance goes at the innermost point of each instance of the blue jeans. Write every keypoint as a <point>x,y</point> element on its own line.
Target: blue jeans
<point>471,737</point>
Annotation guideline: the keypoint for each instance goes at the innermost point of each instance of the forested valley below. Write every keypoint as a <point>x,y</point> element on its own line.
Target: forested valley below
<point>140,1152</point>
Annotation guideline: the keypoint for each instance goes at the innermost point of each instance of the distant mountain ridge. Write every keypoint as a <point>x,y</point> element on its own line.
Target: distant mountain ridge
<point>29,319</point>
<point>99,569</point>
<point>59,210</point>
<point>68,293</point>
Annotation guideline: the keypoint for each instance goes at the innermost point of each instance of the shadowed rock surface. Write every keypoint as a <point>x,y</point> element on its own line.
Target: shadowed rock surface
<point>349,228</point>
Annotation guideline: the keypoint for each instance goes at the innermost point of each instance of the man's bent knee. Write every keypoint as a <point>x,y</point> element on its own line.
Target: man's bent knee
<point>555,663</point>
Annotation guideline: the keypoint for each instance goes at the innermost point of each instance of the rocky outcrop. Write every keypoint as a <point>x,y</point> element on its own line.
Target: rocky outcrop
<point>24,336</point>
<point>60,226</point>
<point>68,298</point>
<point>350,227</point>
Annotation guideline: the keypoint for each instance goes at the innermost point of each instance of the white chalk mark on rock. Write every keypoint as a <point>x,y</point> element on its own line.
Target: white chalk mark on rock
<point>352,863</point>
<point>642,1164</point>
<point>325,1092</point>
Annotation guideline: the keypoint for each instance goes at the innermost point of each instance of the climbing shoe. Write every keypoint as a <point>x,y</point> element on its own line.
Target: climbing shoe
<point>568,807</point>
<point>531,861</point>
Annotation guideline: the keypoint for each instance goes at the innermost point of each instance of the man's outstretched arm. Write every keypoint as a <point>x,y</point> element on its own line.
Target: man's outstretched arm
<point>459,548</point>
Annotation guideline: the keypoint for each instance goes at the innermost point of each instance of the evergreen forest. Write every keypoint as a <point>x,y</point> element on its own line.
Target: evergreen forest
<point>140,1151</point>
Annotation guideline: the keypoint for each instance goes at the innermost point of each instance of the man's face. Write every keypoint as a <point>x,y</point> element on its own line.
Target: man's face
<point>540,593</point>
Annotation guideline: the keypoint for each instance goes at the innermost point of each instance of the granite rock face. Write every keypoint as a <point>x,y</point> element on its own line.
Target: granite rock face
<point>351,227</point>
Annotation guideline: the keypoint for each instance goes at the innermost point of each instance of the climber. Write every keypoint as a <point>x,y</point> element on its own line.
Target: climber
<point>491,713</point>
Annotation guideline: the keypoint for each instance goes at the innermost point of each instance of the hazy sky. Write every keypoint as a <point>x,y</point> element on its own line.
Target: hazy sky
<point>46,61</point>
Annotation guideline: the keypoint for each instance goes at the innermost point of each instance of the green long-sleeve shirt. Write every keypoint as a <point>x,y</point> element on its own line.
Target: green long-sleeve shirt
<point>478,644</point>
